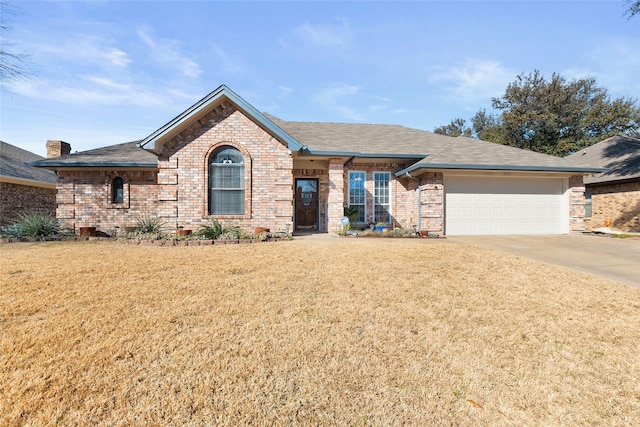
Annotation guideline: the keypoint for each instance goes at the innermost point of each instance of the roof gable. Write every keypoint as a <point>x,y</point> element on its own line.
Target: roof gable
<point>156,140</point>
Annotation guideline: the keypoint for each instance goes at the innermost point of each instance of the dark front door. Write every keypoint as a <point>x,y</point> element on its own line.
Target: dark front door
<point>306,204</point>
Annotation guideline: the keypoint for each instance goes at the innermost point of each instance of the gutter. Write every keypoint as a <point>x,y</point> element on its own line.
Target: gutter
<point>102,165</point>
<point>576,169</point>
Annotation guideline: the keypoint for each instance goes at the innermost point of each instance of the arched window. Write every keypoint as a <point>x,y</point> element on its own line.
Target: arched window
<point>226,182</point>
<point>117,190</point>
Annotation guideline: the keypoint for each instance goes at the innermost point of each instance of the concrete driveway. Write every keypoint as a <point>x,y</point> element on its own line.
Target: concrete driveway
<point>613,259</point>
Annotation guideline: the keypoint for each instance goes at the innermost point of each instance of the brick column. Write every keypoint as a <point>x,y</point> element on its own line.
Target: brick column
<point>335,199</point>
<point>576,203</point>
<point>432,202</point>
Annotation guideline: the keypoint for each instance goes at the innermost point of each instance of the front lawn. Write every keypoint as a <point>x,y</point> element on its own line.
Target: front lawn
<point>311,332</point>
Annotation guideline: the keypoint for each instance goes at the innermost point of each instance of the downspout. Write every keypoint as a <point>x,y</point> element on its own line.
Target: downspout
<point>419,199</point>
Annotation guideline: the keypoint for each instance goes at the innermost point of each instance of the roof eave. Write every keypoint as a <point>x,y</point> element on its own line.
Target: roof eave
<point>430,166</point>
<point>28,182</point>
<point>52,165</point>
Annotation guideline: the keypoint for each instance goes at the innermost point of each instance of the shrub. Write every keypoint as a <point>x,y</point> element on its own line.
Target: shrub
<point>147,227</point>
<point>38,226</point>
<point>211,230</point>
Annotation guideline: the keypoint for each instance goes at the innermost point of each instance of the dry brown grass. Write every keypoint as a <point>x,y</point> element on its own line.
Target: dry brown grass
<point>326,332</point>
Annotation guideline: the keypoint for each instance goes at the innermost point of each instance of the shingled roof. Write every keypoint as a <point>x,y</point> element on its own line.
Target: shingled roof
<point>14,169</point>
<point>120,155</point>
<point>620,154</point>
<point>434,151</point>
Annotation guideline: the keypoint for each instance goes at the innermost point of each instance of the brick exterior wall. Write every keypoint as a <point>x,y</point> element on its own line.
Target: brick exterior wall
<point>17,199</point>
<point>84,199</point>
<point>184,173</point>
<point>432,209</point>
<point>616,205</point>
<point>335,197</point>
<point>576,203</point>
<point>178,191</point>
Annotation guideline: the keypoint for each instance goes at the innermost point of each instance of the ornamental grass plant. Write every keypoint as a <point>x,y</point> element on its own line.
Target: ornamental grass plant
<point>37,226</point>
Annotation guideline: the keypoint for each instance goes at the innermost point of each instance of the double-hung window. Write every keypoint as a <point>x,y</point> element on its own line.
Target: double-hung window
<point>226,182</point>
<point>357,194</point>
<point>381,197</point>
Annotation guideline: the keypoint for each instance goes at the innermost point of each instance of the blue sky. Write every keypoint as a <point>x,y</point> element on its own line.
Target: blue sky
<point>107,72</point>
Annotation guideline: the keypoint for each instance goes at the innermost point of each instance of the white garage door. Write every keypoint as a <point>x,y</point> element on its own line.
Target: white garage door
<point>479,205</point>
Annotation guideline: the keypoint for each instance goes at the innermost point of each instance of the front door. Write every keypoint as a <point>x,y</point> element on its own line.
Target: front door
<point>306,204</point>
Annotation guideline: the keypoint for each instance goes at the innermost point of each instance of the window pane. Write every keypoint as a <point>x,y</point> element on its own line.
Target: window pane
<point>118,190</point>
<point>227,202</point>
<point>357,194</point>
<point>226,182</point>
<point>381,205</point>
<point>227,176</point>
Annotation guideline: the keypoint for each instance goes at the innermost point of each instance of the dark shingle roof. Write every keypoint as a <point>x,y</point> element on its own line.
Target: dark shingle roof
<point>620,154</point>
<point>120,155</point>
<point>12,164</point>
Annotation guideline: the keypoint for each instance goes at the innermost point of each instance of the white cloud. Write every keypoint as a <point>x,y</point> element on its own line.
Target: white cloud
<point>324,35</point>
<point>226,63</point>
<point>336,99</point>
<point>167,52</point>
<point>92,90</point>
<point>317,36</point>
<point>284,91</point>
<point>473,82</point>
<point>85,49</point>
<point>616,66</point>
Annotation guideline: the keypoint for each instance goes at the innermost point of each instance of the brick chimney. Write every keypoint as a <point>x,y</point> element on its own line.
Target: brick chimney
<point>57,149</point>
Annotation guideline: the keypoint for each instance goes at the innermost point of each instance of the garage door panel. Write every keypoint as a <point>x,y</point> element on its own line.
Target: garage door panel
<point>504,206</point>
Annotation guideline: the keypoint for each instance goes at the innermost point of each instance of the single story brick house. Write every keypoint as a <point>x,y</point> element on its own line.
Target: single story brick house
<point>24,189</point>
<point>222,157</point>
<point>613,196</point>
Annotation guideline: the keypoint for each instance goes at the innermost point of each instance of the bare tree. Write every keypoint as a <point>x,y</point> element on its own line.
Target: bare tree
<point>14,65</point>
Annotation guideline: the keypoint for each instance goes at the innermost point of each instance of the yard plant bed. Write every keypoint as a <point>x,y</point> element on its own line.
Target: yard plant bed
<point>314,332</point>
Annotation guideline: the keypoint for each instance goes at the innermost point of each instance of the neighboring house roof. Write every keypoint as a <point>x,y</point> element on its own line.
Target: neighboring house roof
<point>13,168</point>
<point>121,155</point>
<point>620,154</point>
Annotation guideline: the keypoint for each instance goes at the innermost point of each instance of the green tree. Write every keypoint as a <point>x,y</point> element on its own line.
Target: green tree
<point>555,116</point>
<point>455,128</point>
<point>634,8</point>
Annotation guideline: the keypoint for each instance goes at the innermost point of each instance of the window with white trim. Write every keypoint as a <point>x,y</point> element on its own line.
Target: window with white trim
<point>357,194</point>
<point>381,197</point>
<point>226,182</point>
